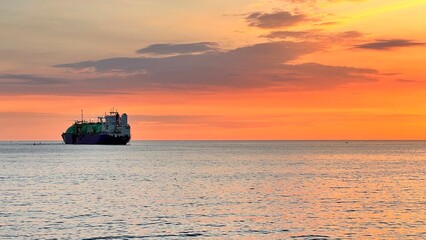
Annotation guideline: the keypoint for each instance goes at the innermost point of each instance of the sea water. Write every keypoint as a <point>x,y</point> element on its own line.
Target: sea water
<point>214,190</point>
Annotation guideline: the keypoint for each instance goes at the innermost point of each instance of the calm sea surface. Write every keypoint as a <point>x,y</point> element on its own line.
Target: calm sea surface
<point>214,189</point>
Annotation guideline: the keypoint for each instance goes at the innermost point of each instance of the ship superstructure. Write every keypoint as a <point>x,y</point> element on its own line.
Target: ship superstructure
<point>112,128</point>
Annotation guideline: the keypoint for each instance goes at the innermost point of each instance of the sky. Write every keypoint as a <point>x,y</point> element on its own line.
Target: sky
<point>216,69</point>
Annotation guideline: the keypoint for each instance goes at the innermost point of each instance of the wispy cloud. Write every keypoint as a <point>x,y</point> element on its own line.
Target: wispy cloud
<point>211,121</point>
<point>314,35</point>
<point>171,49</point>
<point>326,23</point>
<point>274,19</point>
<point>175,119</point>
<point>388,44</point>
<point>28,79</point>
<point>409,81</point>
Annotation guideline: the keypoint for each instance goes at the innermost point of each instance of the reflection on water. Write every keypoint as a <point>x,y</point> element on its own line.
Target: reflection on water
<point>218,190</point>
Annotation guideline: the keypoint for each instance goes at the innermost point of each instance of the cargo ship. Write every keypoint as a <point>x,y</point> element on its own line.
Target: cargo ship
<point>111,129</point>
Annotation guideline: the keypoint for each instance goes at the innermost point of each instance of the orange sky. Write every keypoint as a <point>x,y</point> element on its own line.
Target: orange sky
<point>216,69</point>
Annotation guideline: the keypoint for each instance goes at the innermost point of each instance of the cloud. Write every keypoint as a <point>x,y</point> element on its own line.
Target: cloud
<point>409,81</point>
<point>16,84</point>
<point>326,23</point>
<point>175,119</point>
<point>288,34</point>
<point>350,34</point>
<point>28,79</point>
<point>171,49</point>
<point>238,68</point>
<point>382,44</point>
<point>211,121</point>
<point>275,19</point>
<point>264,65</point>
<point>312,76</point>
<point>314,35</point>
<point>255,66</point>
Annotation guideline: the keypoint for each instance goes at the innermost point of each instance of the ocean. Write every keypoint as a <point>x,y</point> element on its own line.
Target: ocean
<point>214,190</point>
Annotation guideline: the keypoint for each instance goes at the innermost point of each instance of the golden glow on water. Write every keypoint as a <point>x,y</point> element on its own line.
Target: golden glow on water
<point>221,190</point>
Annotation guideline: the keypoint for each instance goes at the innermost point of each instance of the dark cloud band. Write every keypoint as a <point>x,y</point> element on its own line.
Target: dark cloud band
<point>389,44</point>
<point>264,65</point>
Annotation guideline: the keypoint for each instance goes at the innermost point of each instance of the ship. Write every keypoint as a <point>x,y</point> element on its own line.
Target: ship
<point>111,129</point>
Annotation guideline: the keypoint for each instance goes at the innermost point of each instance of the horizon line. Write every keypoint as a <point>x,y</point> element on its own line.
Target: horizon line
<point>223,140</point>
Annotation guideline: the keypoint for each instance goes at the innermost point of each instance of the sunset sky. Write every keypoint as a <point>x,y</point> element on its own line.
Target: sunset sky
<point>215,69</point>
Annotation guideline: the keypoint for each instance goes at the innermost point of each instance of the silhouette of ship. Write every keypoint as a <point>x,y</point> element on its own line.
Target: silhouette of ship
<point>112,129</point>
